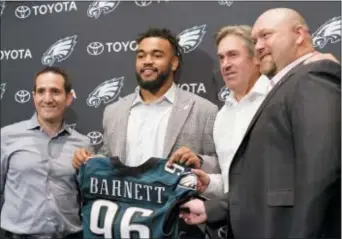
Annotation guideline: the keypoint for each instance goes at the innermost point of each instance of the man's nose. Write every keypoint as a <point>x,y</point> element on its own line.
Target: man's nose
<point>48,97</point>
<point>226,64</point>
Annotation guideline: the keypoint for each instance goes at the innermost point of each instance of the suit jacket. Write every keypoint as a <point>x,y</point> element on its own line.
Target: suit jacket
<point>285,176</point>
<point>190,124</point>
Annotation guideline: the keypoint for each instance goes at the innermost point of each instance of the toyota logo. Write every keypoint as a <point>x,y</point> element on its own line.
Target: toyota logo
<point>22,96</point>
<point>95,137</point>
<point>143,3</point>
<point>95,48</point>
<point>22,12</point>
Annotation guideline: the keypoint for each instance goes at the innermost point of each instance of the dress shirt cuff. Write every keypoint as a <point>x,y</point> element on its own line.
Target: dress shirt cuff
<point>210,164</point>
<point>215,185</point>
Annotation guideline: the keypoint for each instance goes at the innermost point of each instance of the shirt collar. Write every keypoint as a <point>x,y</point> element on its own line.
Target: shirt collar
<point>34,124</point>
<point>260,88</point>
<point>169,96</point>
<point>289,67</point>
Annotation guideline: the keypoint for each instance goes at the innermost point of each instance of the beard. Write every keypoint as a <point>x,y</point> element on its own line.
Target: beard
<point>268,68</point>
<point>155,84</point>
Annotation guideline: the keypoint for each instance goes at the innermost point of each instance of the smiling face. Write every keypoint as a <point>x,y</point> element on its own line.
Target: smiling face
<point>50,98</point>
<point>155,63</point>
<point>275,42</point>
<point>237,65</point>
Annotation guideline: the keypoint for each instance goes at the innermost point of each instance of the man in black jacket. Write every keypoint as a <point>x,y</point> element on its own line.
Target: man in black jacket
<point>284,180</point>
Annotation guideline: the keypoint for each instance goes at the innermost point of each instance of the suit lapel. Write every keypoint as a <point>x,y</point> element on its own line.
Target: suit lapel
<point>269,97</point>
<point>121,127</point>
<point>262,106</point>
<point>179,114</point>
<point>260,110</point>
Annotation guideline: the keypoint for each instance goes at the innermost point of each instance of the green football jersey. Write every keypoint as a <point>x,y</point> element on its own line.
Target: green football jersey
<point>133,202</point>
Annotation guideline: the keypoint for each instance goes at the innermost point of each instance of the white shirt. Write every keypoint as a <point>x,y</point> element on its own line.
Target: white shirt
<point>146,130</point>
<point>230,126</point>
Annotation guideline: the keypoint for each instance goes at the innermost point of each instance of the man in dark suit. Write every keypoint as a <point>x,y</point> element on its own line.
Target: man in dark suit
<point>284,181</point>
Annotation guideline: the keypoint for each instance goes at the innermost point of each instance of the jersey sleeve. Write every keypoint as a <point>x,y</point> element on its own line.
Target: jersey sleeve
<point>184,190</point>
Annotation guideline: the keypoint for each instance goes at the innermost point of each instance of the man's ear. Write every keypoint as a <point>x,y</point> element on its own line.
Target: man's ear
<point>69,99</point>
<point>174,63</point>
<point>301,32</point>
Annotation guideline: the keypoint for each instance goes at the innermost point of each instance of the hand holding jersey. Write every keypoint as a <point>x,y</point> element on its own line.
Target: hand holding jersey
<point>195,213</point>
<point>80,156</point>
<point>119,202</point>
<point>185,156</point>
<point>203,180</point>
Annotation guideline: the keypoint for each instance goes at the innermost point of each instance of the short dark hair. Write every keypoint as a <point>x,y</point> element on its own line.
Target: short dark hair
<point>58,71</point>
<point>164,34</point>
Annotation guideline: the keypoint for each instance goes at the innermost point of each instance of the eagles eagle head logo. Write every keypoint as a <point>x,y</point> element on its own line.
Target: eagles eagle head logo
<point>106,92</point>
<point>223,94</point>
<point>98,7</point>
<point>225,2</point>
<point>190,38</point>
<point>59,51</point>
<point>329,31</point>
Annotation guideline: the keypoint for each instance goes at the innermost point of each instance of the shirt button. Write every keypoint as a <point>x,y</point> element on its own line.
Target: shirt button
<point>49,197</point>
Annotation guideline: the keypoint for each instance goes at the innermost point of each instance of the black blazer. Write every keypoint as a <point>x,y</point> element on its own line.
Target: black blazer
<point>284,180</point>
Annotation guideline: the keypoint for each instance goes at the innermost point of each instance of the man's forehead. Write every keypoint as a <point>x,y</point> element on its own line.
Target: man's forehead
<point>150,40</point>
<point>49,81</point>
<point>269,22</point>
<point>153,43</point>
<point>231,43</point>
<point>152,49</point>
<point>48,86</point>
<point>256,30</point>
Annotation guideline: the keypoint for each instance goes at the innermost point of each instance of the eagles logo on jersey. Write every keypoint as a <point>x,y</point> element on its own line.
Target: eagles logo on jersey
<point>101,6</point>
<point>133,202</point>
<point>106,92</point>
<point>59,51</point>
<point>329,31</point>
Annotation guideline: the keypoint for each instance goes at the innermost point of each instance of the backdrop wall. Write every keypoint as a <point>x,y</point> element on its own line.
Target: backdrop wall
<point>94,42</point>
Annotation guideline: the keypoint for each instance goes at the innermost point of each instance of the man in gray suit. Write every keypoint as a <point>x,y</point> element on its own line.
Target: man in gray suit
<point>159,119</point>
<point>284,180</point>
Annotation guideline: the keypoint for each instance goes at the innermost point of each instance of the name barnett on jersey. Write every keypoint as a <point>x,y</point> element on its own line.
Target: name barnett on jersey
<point>15,54</point>
<point>126,189</point>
